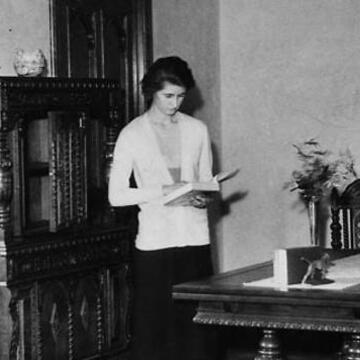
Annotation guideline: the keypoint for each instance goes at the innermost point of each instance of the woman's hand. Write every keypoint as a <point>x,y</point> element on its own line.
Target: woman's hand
<point>200,200</point>
<point>196,199</point>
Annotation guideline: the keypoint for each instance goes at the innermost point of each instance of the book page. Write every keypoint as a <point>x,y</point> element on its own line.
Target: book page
<point>225,175</point>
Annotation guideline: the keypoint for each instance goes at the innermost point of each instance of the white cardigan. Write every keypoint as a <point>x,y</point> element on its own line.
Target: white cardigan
<point>137,151</point>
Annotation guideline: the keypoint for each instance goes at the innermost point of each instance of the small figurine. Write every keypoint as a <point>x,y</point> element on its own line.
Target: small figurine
<point>319,266</point>
<point>29,63</point>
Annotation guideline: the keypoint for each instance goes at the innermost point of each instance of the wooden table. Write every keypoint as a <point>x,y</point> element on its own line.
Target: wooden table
<point>224,300</point>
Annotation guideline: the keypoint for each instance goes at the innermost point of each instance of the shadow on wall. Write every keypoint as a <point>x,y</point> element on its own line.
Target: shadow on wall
<point>220,206</point>
<point>192,102</point>
<point>218,209</point>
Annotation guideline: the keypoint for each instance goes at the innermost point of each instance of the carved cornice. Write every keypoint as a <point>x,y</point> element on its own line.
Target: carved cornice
<point>19,95</point>
<point>272,322</point>
<point>67,254</point>
<point>62,84</point>
<point>53,100</point>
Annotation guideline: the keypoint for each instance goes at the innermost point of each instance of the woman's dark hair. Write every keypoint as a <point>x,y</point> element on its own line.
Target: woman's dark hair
<point>171,69</point>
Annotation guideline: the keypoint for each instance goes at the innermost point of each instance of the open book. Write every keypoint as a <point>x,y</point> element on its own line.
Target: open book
<point>182,195</point>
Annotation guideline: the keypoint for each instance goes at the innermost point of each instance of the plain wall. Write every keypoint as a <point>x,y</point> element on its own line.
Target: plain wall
<point>23,24</point>
<point>289,71</point>
<point>189,29</point>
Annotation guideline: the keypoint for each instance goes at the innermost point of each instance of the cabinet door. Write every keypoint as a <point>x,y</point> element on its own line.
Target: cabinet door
<point>50,158</point>
<point>30,150</point>
<point>87,318</point>
<point>54,321</point>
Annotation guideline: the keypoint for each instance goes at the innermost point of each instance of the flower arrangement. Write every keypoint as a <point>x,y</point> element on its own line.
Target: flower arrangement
<point>320,170</point>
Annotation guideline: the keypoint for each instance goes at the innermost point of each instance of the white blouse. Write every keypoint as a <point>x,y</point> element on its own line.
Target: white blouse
<point>137,150</point>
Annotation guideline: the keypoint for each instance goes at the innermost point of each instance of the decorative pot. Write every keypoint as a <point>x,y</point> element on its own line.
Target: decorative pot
<point>29,63</point>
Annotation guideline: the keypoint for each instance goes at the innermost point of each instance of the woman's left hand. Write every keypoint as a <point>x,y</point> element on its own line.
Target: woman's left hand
<point>200,200</point>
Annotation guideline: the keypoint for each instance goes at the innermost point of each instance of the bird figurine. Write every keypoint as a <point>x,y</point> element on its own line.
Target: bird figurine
<point>29,63</point>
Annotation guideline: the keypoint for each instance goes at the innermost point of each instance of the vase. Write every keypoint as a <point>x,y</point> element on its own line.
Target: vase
<point>312,213</point>
<point>29,63</point>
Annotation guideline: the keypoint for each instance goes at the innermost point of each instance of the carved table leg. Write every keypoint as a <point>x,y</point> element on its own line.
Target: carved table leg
<point>351,349</point>
<point>269,347</point>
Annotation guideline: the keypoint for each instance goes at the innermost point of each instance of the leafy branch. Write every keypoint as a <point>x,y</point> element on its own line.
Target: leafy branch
<point>319,170</point>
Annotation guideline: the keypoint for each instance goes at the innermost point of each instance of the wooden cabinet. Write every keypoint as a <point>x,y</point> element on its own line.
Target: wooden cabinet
<point>65,253</point>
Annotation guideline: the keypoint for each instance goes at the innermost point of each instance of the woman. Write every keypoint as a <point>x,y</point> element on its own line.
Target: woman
<point>164,148</point>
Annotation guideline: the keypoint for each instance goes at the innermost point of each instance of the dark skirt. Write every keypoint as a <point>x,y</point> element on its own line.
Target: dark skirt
<point>163,328</point>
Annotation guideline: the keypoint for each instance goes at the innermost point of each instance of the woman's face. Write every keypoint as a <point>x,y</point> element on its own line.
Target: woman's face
<point>169,98</point>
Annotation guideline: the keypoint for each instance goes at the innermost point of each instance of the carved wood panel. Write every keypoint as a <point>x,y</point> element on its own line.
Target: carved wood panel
<point>68,169</point>
<point>88,317</point>
<point>107,39</point>
<point>73,317</point>
<point>345,216</point>
<point>118,302</point>
<point>55,322</point>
